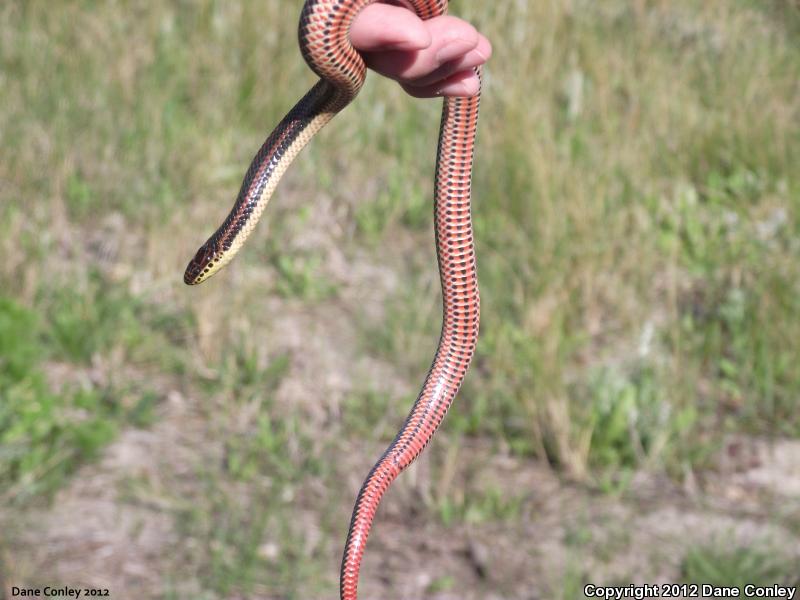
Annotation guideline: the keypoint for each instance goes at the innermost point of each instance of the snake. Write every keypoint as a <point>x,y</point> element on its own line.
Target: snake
<point>325,45</point>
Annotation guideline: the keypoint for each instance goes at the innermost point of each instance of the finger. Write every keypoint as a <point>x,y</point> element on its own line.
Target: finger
<point>473,58</point>
<point>452,39</point>
<point>381,27</point>
<point>463,84</point>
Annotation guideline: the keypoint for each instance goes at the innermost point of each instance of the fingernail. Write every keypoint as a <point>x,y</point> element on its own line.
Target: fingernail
<point>452,50</point>
<point>464,88</point>
<point>473,58</point>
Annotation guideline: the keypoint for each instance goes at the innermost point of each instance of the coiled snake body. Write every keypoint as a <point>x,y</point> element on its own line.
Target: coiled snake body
<point>325,44</point>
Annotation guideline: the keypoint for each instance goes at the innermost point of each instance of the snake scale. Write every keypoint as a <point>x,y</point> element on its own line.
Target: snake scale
<point>325,45</point>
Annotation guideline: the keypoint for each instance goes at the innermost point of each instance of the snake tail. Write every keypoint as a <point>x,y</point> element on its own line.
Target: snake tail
<point>461,310</point>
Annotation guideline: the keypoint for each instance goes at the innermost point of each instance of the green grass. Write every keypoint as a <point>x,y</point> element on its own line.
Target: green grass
<point>637,211</point>
<point>243,525</point>
<point>300,277</point>
<point>44,434</point>
<point>49,427</point>
<point>754,565</point>
<point>480,506</point>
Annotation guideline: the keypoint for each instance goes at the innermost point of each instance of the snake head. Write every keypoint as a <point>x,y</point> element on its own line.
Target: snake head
<point>207,261</point>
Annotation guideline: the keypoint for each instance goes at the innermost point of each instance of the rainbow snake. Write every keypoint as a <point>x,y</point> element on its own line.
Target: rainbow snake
<point>325,44</point>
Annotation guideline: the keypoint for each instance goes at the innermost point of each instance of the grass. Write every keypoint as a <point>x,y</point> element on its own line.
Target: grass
<point>719,565</point>
<point>46,429</point>
<point>637,211</point>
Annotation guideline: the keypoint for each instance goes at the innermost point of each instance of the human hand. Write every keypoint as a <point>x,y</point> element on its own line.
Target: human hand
<point>428,58</point>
